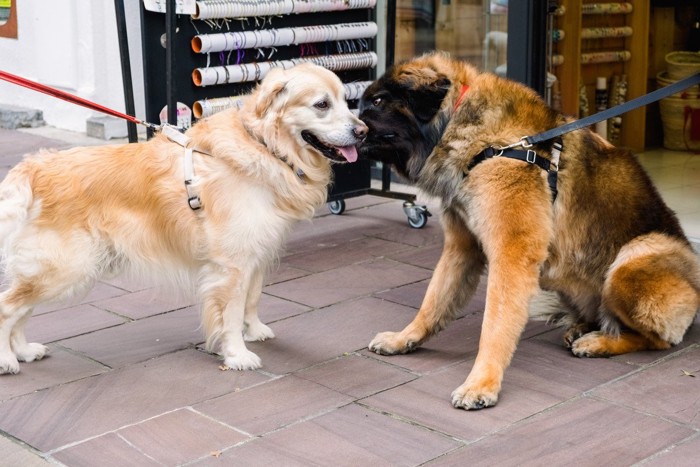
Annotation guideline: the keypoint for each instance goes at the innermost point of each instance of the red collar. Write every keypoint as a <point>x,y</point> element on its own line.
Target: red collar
<point>465,88</point>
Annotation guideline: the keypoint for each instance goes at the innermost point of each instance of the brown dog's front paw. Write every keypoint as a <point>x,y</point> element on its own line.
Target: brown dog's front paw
<point>391,343</point>
<point>594,344</point>
<point>473,397</point>
<point>574,332</point>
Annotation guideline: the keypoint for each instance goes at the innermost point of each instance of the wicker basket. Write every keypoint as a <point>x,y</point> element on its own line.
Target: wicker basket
<point>664,79</point>
<point>682,64</point>
<point>673,115</point>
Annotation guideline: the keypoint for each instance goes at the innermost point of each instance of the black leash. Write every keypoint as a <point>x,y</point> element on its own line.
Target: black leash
<point>614,111</point>
<point>552,167</point>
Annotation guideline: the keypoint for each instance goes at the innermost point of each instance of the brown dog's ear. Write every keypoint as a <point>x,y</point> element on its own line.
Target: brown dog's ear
<point>269,90</point>
<point>425,93</point>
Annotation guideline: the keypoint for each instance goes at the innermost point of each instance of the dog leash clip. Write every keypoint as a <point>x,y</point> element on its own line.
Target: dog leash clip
<point>521,143</point>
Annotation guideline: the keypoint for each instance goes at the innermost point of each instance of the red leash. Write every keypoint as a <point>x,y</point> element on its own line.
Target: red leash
<point>70,98</point>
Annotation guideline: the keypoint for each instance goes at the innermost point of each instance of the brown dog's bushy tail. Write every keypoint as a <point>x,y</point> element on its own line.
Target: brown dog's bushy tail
<point>546,306</point>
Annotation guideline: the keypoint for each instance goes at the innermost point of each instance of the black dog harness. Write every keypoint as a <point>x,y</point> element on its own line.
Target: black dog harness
<point>529,156</point>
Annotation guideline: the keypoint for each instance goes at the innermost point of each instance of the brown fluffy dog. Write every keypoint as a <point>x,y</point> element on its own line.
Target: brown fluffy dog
<point>69,218</point>
<point>608,244</point>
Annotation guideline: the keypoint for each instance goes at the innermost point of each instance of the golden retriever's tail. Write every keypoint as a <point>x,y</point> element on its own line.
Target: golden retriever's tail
<point>16,199</point>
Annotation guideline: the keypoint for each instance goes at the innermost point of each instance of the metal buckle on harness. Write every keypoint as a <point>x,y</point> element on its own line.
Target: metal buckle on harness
<point>194,202</point>
<point>523,142</point>
<point>531,156</point>
<point>188,169</point>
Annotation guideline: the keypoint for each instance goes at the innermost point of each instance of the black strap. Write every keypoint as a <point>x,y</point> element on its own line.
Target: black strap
<point>528,156</point>
<point>617,110</point>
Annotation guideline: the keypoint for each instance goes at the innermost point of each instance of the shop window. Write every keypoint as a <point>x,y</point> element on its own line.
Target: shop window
<point>471,30</point>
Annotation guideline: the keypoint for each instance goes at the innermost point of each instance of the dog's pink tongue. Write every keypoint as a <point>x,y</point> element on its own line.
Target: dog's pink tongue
<point>349,153</point>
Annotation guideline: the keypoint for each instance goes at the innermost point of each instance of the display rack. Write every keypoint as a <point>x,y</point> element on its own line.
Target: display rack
<point>208,58</point>
<point>603,40</point>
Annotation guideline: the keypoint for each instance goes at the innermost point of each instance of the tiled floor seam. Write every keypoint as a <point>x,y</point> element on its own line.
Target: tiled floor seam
<point>643,367</point>
<point>414,423</point>
<point>49,454</point>
<point>667,450</point>
<point>267,433</point>
<point>57,341</point>
<point>115,431</point>
<point>352,353</point>
<point>276,430</point>
<point>389,364</point>
<point>404,263</point>
<point>398,242</point>
<point>137,449</point>
<point>296,303</point>
<point>216,420</point>
<point>221,451</point>
<point>515,424</point>
<point>444,454</point>
<point>22,444</point>
<point>642,412</point>
<point>77,353</point>
<point>348,300</point>
<point>131,320</point>
<point>374,294</point>
<point>299,373</point>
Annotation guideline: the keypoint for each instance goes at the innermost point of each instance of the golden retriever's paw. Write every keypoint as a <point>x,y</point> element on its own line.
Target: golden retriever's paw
<point>593,344</point>
<point>258,331</point>
<point>31,352</point>
<point>473,398</point>
<point>9,365</point>
<point>391,343</point>
<point>245,360</point>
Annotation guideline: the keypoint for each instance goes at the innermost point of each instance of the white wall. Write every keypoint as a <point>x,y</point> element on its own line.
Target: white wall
<point>71,45</point>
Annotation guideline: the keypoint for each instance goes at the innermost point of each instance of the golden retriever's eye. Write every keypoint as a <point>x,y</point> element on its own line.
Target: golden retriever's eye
<point>322,105</point>
<point>377,101</point>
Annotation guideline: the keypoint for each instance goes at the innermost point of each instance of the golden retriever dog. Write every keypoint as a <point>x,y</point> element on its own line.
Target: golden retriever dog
<point>69,218</point>
<point>584,221</point>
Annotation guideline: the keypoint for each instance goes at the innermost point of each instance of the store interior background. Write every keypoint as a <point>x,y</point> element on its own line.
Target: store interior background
<point>477,31</point>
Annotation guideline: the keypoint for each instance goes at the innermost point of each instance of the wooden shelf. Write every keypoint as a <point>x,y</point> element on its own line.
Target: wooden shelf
<point>572,71</point>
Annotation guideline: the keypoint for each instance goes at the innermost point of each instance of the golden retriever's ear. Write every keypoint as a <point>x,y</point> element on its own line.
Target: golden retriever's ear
<point>269,90</point>
<point>425,91</point>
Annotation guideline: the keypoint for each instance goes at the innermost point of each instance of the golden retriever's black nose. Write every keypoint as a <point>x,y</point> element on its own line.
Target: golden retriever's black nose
<point>360,132</point>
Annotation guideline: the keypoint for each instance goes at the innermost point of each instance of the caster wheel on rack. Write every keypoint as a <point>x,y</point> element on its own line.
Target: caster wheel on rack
<point>419,221</point>
<point>337,207</point>
<point>417,215</point>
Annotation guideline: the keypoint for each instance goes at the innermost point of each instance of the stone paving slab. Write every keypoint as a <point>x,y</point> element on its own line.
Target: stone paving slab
<point>349,436</point>
<point>14,453</point>
<point>581,432</point>
<point>69,413</point>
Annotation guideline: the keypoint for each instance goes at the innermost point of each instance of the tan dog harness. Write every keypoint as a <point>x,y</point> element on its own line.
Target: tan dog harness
<point>174,135</point>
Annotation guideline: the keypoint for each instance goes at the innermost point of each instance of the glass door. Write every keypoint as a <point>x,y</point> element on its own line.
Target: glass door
<point>471,30</point>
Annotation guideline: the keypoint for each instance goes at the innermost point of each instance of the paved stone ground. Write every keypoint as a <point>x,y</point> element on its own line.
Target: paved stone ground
<point>126,382</point>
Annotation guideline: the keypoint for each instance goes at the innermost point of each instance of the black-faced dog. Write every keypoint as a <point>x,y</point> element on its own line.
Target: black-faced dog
<point>585,221</point>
